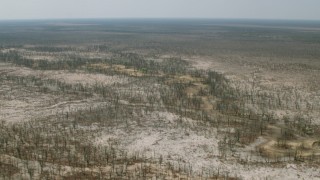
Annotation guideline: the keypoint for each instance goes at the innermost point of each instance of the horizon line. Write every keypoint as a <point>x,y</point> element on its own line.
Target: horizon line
<point>154,18</point>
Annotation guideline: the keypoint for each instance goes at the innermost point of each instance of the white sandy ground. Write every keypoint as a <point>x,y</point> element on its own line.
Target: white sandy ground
<point>302,86</point>
<point>54,56</point>
<point>25,167</point>
<point>18,104</point>
<point>24,105</point>
<point>14,111</point>
<point>193,148</point>
<point>68,77</point>
<point>178,144</point>
<point>160,135</point>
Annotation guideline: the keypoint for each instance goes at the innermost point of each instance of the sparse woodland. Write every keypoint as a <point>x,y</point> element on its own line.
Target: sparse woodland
<point>85,107</point>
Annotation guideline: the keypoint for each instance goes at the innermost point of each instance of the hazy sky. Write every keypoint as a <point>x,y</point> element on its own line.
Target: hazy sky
<point>257,9</point>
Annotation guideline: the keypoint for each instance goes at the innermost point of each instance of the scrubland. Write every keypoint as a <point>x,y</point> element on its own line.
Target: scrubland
<point>159,100</point>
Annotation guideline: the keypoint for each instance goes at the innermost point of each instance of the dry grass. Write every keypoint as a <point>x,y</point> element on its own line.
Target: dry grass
<point>121,69</point>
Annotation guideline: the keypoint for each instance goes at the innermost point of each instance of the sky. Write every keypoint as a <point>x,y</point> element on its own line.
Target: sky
<point>238,9</point>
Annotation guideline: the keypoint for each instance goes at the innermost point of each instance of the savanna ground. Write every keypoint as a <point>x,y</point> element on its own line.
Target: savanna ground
<point>159,99</point>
